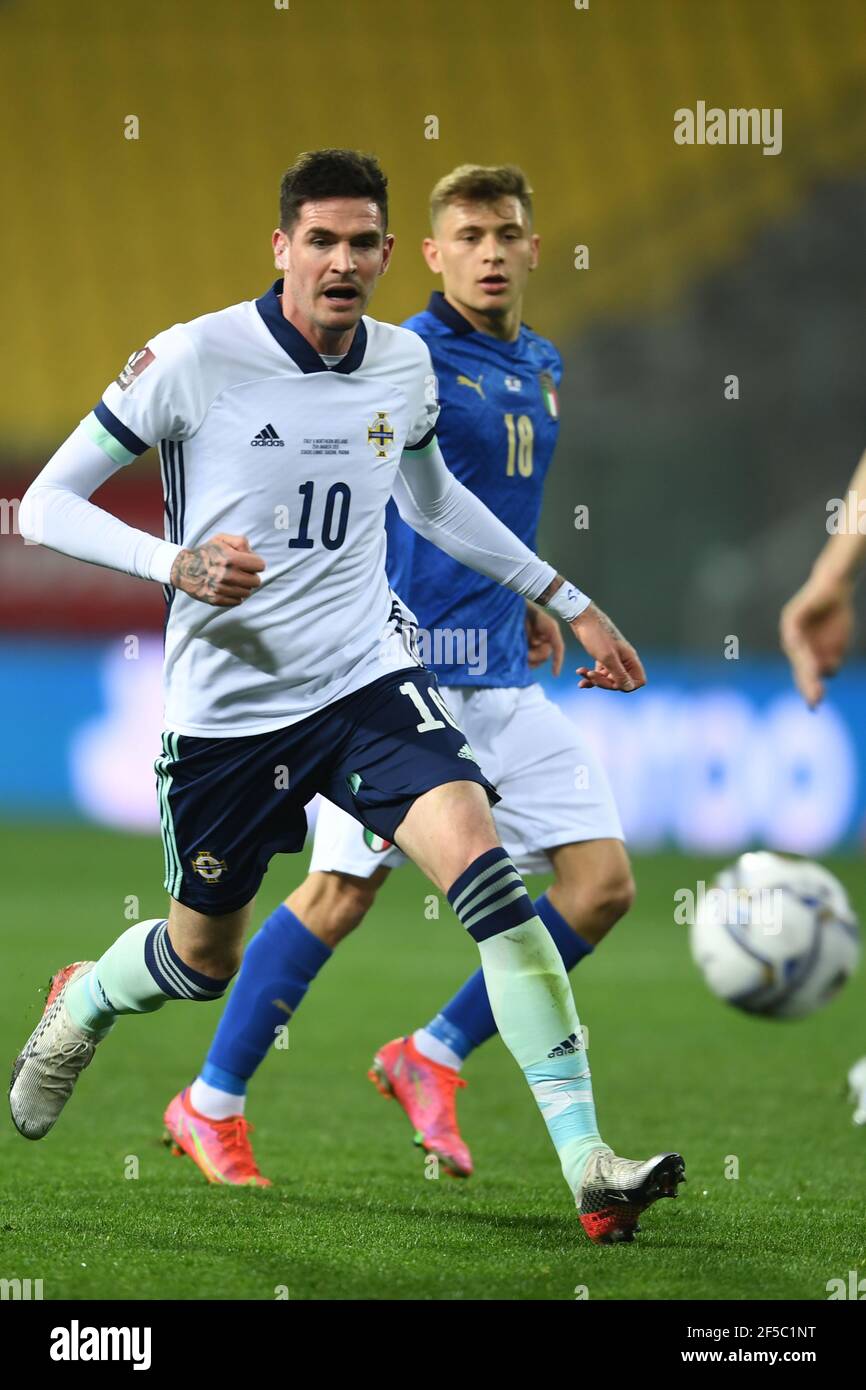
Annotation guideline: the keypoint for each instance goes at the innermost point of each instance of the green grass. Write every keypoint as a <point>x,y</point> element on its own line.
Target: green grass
<point>351,1214</point>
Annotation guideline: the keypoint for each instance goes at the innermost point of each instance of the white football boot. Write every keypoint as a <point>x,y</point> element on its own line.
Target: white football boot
<point>857,1090</point>
<point>51,1060</point>
<point>614,1191</point>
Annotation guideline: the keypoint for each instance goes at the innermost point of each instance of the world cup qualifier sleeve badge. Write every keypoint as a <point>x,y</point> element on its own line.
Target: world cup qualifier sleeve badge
<point>134,367</point>
<point>548,394</point>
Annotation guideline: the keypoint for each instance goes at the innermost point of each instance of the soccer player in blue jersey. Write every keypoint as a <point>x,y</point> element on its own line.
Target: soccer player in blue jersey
<point>498,425</point>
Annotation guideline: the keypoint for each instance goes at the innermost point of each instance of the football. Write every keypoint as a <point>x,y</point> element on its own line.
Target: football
<point>775,935</point>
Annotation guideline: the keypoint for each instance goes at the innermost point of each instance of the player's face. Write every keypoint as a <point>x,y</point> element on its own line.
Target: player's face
<point>331,260</point>
<point>484,253</point>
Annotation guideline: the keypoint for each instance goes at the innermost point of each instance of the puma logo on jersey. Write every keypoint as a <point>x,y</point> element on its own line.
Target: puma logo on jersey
<point>475,385</point>
<point>268,437</point>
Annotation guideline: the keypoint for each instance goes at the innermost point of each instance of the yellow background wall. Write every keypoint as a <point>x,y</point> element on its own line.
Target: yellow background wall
<point>105,240</point>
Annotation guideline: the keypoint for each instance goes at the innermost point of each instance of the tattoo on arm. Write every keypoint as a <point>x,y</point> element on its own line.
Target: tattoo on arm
<point>551,589</point>
<point>608,624</point>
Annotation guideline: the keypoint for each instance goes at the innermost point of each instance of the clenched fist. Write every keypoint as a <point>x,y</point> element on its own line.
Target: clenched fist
<point>223,571</point>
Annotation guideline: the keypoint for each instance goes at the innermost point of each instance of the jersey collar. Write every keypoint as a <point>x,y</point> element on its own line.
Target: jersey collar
<point>302,352</point>
<point>441,309</point>
<point>439,306</point>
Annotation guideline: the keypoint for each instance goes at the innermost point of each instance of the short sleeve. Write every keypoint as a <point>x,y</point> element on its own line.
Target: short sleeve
<point>158,395</point>
<point>425,401</point>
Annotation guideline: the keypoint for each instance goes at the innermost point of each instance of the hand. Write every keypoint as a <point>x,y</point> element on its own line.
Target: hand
<point>545,638</point>
<point>617,664</point>
<point>223,571</point>
<point>815,628</point>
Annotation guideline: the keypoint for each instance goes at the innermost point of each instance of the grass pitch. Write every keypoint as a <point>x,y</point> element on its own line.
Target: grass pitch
<point>99,1209</point>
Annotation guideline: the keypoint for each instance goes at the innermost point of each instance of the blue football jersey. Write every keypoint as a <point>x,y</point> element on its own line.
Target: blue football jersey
<point>497,429</point>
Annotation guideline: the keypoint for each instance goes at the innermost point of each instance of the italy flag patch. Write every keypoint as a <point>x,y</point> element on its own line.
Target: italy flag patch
<point>375,842</point>
<point>548,394</point>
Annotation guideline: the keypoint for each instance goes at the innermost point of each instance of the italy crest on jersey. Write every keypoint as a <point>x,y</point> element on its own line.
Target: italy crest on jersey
<point>548,394</point>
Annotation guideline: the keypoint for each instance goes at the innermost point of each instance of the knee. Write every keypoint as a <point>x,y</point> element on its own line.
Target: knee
<point>612,898</point>
<point>594,906</point>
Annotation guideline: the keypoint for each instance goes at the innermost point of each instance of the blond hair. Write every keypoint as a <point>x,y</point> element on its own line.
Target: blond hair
<point>481,183</point>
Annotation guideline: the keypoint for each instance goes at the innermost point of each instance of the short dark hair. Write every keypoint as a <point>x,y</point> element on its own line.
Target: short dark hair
<point>331,174</point>
<point>481,183</point>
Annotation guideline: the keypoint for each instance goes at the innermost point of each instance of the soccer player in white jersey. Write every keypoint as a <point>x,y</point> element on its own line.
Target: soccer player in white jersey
<point>498,380</point>
<point>816,627</point>
<point>278,683</point>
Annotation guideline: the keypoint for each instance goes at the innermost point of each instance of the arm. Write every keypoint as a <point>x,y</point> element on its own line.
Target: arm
<point>432,501</point>
<point>816,624</point>
<point>55,511</point>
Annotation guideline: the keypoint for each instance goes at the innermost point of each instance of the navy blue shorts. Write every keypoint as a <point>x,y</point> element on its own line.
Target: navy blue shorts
<point>228,804</point>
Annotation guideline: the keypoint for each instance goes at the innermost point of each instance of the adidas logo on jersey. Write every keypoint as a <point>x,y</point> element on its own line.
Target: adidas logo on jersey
<point>568,1046</point>
<point>466,752</point>
<point>268,437</point>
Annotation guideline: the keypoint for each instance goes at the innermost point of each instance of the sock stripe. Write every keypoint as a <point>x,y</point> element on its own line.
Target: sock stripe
<point>175,978</point>
<point>160,969</point>
<point>171,980</point>
<point>490,896</point>
<point>479,878</point>
<point>520,891</point>
<point>506,880</point>
<point>204,986</point>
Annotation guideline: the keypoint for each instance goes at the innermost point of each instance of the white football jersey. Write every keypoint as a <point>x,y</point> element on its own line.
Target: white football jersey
<point>259,438</point>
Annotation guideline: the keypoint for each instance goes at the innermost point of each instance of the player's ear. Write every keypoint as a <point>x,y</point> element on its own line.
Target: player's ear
<point>534,244</point>
<point>387,250</point>
<point>280,243</point>
<point>430,250</point>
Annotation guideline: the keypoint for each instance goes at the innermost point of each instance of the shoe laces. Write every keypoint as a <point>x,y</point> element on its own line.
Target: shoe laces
<point>67,1064</point>
<point>237,1132</point>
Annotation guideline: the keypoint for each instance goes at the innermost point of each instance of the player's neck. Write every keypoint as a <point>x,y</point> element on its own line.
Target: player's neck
<point>331,344</point>
<point>505,327</point>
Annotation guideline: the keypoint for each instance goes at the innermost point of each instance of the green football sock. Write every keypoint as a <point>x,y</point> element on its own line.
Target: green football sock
<point>533,1006</point>
<point>532,1003</point>
<point>119,983</point>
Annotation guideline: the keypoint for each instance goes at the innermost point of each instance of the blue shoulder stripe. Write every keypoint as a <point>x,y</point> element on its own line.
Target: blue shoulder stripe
<point>118,429</point>
<point>423,441</point>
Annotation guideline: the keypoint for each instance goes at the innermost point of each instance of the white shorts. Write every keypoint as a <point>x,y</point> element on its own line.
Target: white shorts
<point>554,789</point>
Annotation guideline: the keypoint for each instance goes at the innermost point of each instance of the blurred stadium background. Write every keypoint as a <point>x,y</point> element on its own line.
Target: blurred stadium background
<point>704,512</point>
